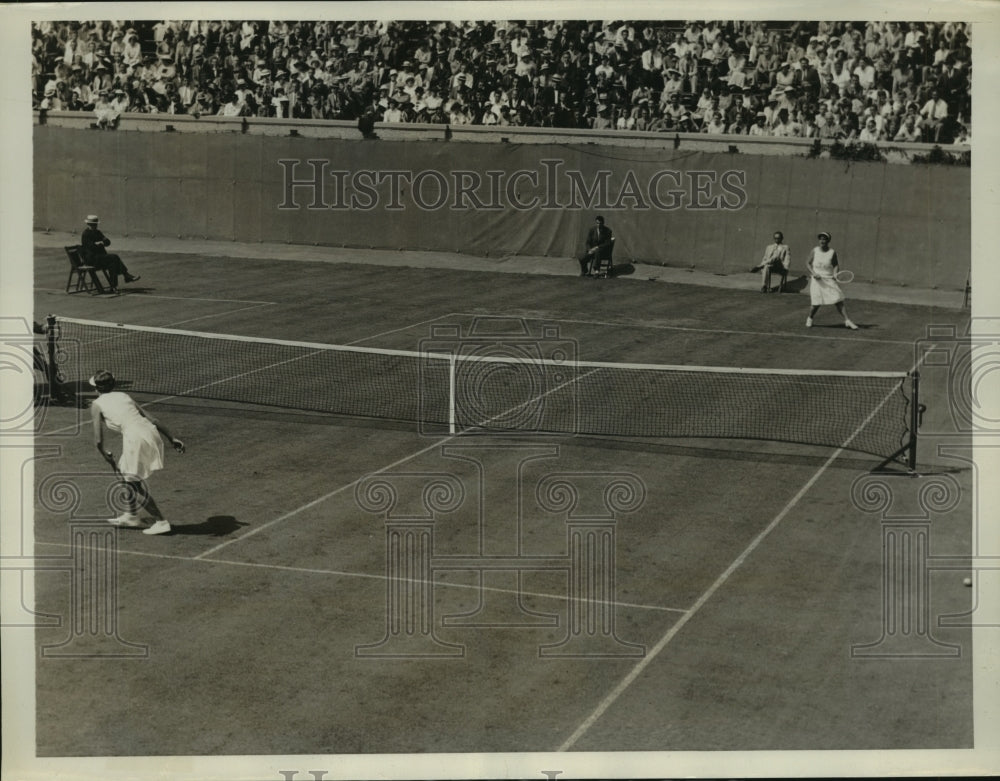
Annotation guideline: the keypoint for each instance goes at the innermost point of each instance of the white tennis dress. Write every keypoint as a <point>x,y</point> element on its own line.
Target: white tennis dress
<point>142,448</point>
<point>824,290</point>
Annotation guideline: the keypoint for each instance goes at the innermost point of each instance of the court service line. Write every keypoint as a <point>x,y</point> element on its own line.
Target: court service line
<point>397,330</point>
<point>654,326</point>
<point>380,470</point>
<point>268,303</point>
<point>369,576</point>
<point>219,314</point>
<point>719,582</point>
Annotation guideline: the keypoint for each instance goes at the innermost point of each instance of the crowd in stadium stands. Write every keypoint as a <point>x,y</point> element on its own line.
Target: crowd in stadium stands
<point>870,81</point>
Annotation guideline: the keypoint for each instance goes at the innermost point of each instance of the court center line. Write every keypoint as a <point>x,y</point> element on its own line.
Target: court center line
<point>720,581</point>
<point>368,576</point>
<point>317,501</point>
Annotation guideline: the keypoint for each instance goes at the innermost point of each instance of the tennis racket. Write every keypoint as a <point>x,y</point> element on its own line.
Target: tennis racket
<point>844,276</point>
<point>110,458</point>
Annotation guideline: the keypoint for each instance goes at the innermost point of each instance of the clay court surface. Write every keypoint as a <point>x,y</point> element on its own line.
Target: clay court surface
<point>744,578</point>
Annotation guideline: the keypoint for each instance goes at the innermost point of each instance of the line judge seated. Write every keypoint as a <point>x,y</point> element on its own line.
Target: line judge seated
<point>775,261</point>
<point>93,252</point>
<point>600,246</point>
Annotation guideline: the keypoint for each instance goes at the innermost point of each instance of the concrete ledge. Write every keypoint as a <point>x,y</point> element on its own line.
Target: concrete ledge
<point>413,131</point>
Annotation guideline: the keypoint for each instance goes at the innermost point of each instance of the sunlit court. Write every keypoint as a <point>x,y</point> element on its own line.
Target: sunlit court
<point>472,527</point>
<point>549,396</point>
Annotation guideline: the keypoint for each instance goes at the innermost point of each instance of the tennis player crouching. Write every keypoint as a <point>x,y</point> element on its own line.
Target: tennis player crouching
<point>823,287</point>
<point>142,449</point>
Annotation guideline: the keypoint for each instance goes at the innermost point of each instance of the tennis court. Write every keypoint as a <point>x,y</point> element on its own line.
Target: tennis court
<point>357,584</point>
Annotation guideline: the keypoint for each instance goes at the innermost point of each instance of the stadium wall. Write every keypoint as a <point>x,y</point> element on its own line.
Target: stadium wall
<point>711,211</point>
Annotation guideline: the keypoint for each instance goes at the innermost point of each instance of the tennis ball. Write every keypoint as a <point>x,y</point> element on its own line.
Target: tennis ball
<point>967,582</point>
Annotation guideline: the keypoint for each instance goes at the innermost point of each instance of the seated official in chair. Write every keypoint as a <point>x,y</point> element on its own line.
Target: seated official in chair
<point>600,246</point>
<point>776,260</point>
<point>93,251</point>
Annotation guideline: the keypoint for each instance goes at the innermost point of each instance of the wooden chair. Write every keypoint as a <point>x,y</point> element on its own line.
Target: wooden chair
<point>83,275</point>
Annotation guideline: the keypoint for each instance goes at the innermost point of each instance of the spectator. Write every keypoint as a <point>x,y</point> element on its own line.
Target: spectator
<point>767,66</point>
<point>233,107</point>
<point>933,114</point>
<point>759,126</point>
<point>782,126</point>
<point>785,76</point>
<point>715,125</point>
<point>865,72</point>
<point>131,51</point>
<point>808,79</point>
<point>562,70</point>
<point>603,119</point>
<point>673,111</point>
<point>869,133</point>
<point>908,131</point>
<point>808,127</point>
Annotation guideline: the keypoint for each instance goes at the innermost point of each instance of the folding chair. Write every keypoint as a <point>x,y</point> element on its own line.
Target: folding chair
<point>782,273</point>
<point>85,275</point>
<point>604,266</point>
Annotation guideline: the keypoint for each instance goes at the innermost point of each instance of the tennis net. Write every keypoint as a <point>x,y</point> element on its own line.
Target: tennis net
<point>499,389</point>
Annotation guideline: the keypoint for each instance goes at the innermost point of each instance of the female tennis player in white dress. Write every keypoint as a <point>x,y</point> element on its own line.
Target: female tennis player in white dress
<point>823,286</point>
<point>142,448</point>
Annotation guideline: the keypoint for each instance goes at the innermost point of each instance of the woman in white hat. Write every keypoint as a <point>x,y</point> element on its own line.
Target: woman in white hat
<point>142,448</point>
<point>823,287</point>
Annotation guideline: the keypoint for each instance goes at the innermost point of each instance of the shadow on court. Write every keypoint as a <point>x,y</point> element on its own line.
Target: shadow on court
<point>797,285</point>
<point>216,526</point>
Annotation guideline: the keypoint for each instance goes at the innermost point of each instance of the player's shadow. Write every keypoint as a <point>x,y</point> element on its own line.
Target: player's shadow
<point>839,326</point>
<point>796,285</point>
<point>216,526</point>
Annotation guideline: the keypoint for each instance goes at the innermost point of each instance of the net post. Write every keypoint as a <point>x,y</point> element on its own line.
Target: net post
<point>50,348</point>
<point>914,419</point>
<point>452,361</point>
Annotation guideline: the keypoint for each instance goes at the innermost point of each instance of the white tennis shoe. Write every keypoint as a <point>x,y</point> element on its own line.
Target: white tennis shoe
<point>160,527</point>
<point>809,322</point>
<point>849,324</point>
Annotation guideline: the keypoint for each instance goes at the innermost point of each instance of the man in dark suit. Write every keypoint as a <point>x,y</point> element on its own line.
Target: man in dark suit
<point>600,240</point>
<point>93,251</point>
